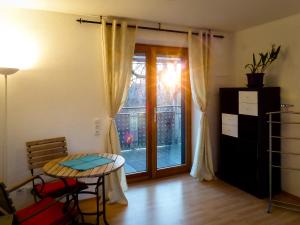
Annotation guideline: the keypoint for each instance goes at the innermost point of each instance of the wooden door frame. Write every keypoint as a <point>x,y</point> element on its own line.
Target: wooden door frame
<point>151,52</point>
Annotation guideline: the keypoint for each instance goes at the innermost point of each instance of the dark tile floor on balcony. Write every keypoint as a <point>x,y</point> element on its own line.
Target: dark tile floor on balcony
<point>168,155</point>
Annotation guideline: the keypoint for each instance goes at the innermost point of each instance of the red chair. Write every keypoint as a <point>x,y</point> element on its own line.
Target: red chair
<point>39,153</point>
<point>47,211</point>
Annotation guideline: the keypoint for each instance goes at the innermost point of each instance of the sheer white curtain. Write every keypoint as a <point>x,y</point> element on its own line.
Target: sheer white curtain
<point>117,44</point>
<point>199,60</point>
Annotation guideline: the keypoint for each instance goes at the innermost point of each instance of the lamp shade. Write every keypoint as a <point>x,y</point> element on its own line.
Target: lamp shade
<point>8,71</point>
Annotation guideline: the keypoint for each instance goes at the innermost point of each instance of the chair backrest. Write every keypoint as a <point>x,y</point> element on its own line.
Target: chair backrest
<point>42,151</point>
<point>6,206</point>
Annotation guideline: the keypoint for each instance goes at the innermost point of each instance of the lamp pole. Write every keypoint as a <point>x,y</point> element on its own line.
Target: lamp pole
<point>4,149</point>
<point>5,71</point>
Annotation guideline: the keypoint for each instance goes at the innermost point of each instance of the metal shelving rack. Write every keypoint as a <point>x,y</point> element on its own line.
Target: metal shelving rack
<point>272,201</point>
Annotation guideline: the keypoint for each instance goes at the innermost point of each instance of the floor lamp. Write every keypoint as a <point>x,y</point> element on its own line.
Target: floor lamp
<point>6,72</point>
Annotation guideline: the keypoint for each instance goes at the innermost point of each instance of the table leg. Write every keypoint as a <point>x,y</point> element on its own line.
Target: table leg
<point>100,183</point>
<point>104,201</point>
<point>97,200</point>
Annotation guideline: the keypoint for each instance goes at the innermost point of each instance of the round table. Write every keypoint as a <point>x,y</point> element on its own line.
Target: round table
<point>54,169</point>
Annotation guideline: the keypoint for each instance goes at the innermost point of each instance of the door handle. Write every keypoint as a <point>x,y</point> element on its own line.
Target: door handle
<point>155,114</point>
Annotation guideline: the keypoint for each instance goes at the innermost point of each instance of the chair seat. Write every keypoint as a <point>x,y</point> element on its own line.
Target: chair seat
<point>54,215</point>
<point>57,188</point>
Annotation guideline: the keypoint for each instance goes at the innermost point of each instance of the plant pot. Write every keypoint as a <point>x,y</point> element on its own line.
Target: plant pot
<point>255,80</point>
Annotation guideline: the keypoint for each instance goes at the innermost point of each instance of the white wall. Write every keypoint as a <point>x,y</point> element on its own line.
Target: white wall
<point>62,92</point>
<point>283,73</point>
<point>221,76</point>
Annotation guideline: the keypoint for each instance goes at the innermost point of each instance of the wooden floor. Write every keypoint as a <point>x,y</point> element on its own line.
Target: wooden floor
<point>182,200</point>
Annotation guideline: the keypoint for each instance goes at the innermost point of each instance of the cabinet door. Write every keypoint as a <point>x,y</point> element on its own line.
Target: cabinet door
<point>247,165</point>
<point>229,100</point>
<point>248,97</point>
<point>248,127</point>
<point>230,124</point>
<point>228,162</point>
<point>248,103</point>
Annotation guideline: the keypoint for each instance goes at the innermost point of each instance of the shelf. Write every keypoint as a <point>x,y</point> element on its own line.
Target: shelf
<point>285,168</point>
<point>289,138</point>
<point>273,202</point>
<point>283,112</point>
<point>246,108</point>
<point>284,153</point>
<point>277,122</point>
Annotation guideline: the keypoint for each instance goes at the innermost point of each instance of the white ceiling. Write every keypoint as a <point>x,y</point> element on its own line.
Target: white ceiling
<point>230,15</point>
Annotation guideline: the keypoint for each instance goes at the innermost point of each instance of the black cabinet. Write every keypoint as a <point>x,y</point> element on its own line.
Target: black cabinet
<point>244,138</point>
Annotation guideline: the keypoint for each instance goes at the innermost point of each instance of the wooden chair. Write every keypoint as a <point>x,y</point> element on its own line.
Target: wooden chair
<point>39,153</point>
<point>47,211</point>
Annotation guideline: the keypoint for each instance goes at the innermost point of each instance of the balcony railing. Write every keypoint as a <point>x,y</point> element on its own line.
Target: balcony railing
<point>131,124</point>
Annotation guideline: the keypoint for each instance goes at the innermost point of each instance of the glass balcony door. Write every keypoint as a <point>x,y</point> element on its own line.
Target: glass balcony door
<point>131,120</point>
<point>154,123</point>
<point>169,111</point>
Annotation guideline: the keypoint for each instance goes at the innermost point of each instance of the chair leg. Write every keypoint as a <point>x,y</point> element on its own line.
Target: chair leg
<point>77,205</point>
<point>34,195</point>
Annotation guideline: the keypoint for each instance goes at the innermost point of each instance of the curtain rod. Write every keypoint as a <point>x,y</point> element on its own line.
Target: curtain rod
<point>80,20</point>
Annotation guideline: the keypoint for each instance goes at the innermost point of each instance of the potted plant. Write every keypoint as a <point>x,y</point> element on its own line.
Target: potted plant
<point>257,68</point>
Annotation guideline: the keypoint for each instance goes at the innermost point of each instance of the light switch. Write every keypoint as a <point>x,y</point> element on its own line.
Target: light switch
<point>97,126</point>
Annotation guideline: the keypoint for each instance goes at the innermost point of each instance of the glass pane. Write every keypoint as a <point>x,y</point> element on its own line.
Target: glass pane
<point>131,120</point>
<point>170,144</point>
